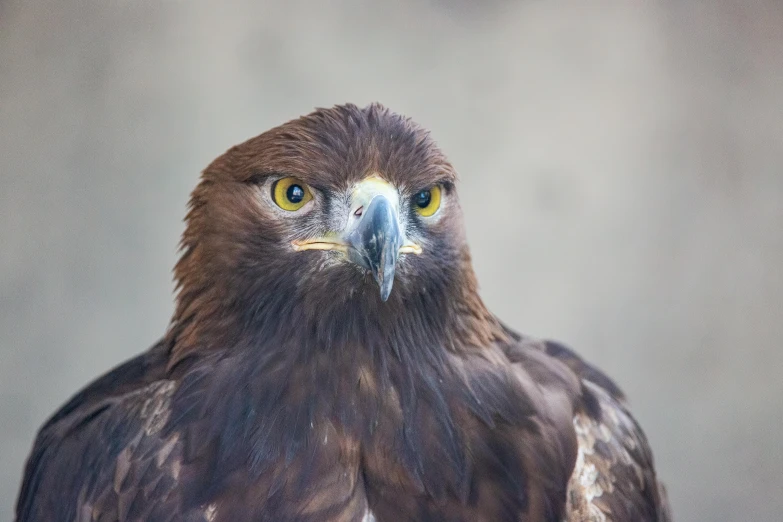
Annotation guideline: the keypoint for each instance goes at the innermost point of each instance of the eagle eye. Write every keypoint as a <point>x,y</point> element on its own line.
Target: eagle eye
<point>290,194</point>
<point>427,202</point>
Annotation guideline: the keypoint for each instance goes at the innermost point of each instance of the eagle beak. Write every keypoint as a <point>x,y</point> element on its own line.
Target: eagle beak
<point>375,241</point>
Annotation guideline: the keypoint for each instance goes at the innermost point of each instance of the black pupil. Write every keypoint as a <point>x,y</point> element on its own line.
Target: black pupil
<point>295,194</point>
<point>423,198</point>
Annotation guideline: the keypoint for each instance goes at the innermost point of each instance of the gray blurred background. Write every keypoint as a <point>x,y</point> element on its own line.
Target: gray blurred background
<point>622,180</point>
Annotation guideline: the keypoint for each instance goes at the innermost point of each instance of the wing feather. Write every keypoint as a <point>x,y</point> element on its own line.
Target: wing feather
<point>104,455</point>
<point>614,475</point>
<point>110,463</point>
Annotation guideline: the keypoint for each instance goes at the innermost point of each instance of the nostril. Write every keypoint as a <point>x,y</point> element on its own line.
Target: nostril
<point>359,211</point>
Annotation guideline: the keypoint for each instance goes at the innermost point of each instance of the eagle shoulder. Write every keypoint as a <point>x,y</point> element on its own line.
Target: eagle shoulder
<point>105,455</point>
<point>614,476</point>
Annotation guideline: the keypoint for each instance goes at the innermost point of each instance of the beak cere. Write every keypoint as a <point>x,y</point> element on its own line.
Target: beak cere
<point>375,241</point>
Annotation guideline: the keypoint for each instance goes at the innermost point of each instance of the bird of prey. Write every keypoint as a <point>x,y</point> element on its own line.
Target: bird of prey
<point>330,359</point>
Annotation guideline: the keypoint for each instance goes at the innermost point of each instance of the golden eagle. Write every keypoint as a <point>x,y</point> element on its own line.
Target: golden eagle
<point>330,359</point>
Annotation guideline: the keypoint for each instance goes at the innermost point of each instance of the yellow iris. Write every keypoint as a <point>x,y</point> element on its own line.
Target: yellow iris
<point>291,194</point>
<point>427,202</point>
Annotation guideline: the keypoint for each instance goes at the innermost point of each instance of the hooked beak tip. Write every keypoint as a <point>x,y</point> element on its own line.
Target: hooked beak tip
<point>385,292</point>
<point>385,279</point>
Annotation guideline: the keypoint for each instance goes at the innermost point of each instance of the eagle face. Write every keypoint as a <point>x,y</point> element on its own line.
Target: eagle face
<point>343,208</point>
<point>371,223</point>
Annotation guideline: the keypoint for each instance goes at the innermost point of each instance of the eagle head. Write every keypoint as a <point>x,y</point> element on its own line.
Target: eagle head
<point>343,218</point>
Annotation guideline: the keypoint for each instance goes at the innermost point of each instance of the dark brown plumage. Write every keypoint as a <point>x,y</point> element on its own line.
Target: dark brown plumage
<point>289,388</point>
